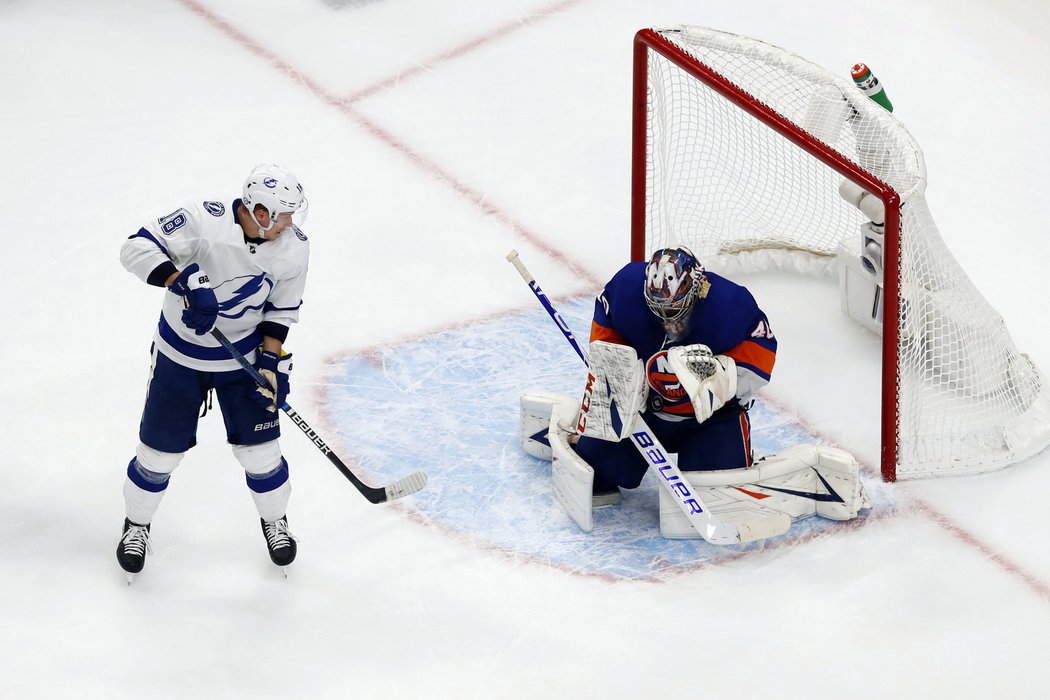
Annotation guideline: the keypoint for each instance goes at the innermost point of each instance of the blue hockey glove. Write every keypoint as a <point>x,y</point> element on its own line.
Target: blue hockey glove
<point>202,307</point>
<point>274,370</point>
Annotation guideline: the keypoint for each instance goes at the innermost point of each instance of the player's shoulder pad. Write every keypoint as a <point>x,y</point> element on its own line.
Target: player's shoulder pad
<point>631,269</point>
<point>295,247</point>
<point>727,290</point>
<point>732,308</point>
<point>629,277</point>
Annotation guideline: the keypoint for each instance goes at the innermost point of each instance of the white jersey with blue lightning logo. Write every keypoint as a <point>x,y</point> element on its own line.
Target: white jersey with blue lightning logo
<point>254,280</point>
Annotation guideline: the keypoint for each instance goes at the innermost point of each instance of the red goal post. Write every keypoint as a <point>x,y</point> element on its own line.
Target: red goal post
<point>739,149</point>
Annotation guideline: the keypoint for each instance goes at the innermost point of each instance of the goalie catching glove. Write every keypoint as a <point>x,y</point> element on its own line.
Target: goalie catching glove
<point>275,370</point>
<point>709,379</point>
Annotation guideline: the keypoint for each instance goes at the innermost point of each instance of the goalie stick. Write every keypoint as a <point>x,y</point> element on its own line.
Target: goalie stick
<point>709,526</point>
<point>400,488</point>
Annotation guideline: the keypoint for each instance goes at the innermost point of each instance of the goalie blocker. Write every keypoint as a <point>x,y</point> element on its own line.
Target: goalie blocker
<point>797,483</point>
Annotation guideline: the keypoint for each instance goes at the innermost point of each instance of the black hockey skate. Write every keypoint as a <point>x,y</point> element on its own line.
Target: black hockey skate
<point>133,547</point>
<point>279,541</point>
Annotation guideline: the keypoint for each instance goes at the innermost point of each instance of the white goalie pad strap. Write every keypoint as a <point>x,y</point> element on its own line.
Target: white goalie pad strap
<point>571,477</point>
<point>615,393</point>
<point>710,380</point>
<point>535,420</point>
<point>797,483</point>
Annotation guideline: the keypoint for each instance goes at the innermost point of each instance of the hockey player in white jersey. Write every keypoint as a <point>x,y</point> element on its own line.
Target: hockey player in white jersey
<point>238,265</point>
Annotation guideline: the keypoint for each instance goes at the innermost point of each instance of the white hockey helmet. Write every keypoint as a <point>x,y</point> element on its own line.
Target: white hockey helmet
<point>674,280</point>
<point>277,189</point>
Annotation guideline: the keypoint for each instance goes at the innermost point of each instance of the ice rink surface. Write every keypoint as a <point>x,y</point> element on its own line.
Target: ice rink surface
<point>432,137</point>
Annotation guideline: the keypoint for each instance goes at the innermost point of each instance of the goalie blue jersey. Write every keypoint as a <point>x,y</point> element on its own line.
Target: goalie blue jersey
<point>727,320</point>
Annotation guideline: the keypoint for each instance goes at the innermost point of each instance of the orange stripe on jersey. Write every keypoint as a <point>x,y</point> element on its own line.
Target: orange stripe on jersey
<point>600,332</point>
<point>751,353</point>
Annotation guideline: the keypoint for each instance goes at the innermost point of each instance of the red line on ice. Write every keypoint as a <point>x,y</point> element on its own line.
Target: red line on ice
<point>345,106</point>
<point>463,49</point>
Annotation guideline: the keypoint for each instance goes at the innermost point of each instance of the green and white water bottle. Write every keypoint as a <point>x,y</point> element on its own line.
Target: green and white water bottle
<point>870,85</point>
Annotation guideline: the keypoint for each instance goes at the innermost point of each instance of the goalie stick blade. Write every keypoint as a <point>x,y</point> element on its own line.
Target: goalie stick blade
<point>717,532</point>
<point>406,486</point>
<point>759,528</point>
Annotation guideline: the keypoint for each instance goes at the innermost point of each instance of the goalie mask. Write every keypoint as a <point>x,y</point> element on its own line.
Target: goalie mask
<point>276,189</point>
<point>674,280</point>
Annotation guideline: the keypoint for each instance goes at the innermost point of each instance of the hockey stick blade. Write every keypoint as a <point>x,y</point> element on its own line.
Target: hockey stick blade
<point>399,489</point>
<point>403,487</point>
<point>406,486</point>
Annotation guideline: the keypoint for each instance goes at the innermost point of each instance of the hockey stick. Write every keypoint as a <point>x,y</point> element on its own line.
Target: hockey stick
<point>400,488</point>
<point>708,525</point>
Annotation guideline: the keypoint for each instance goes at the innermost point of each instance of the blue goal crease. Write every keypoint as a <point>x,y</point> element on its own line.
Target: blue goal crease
<point>466,384</point>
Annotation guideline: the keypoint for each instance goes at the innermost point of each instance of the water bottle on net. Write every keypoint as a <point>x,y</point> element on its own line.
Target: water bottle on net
<point>870,85</point>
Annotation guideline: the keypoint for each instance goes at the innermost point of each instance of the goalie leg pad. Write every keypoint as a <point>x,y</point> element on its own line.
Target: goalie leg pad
<point>841,473</point>
<point>571,477</point>
<point>797,483</point>
<point>535,420</point>
<point>753,520</point>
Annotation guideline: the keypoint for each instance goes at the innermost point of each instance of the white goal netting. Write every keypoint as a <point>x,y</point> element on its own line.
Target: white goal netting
<point>745,148</point>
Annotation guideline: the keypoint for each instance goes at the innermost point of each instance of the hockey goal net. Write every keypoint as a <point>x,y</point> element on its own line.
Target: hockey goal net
<point>740,150</point>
